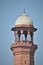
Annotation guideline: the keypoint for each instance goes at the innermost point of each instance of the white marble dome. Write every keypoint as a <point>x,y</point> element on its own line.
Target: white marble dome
<point>23,20</point>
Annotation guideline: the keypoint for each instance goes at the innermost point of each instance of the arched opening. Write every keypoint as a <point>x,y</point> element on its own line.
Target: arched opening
<point>25,34</point>
<point>18,36</point>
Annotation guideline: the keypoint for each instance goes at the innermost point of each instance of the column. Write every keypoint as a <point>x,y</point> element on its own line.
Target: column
<point>21,37</point>
<point>15,36</point>
<point>28,36</point>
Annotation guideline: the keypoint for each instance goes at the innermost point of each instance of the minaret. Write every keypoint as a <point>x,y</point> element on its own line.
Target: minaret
<point>23,47</point>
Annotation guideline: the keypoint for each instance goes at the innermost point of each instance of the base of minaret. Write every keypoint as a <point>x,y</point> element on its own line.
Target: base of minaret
<point>23,53</point>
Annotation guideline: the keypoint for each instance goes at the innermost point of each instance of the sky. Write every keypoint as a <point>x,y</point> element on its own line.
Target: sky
<point>10,10</point>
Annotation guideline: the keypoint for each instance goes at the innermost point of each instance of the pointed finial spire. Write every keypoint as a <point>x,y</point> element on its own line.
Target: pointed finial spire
<point>24,10</point>
<point>24,13</point>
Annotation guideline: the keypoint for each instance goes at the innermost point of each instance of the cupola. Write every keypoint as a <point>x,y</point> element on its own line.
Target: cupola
<point>24,29</point>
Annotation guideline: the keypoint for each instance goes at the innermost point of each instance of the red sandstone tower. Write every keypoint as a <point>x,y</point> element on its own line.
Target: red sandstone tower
<point>23,48</point>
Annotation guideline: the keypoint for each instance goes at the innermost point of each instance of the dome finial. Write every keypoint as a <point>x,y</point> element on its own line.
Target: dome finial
<point>24,10</point>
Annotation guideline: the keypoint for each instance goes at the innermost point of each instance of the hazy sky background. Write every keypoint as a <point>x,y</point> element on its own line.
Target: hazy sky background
<point>10,10</point>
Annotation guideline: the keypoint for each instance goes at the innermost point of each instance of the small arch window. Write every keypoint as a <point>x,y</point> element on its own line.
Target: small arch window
<point>25,61</point>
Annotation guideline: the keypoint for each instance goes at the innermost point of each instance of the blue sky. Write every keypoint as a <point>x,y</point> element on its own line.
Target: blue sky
<point>10,10</point>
